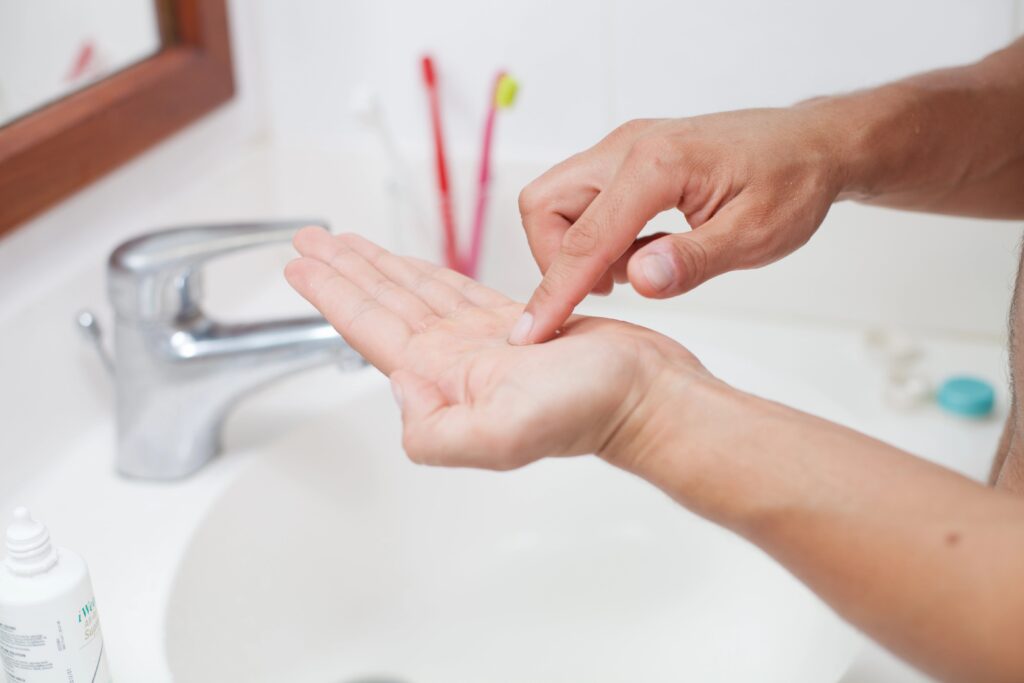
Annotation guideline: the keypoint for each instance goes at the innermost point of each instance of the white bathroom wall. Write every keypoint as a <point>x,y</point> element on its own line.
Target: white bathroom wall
<point>586,66</point>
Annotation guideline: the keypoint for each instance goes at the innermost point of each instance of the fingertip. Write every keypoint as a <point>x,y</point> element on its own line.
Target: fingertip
<point>350,237</point>
<point>295,272</point>
<point>537,333</point>
<point>677,263</point>
<point>307,237</point>
<point>547,310</point>
<point>522,330</point>
<point>653,273</point>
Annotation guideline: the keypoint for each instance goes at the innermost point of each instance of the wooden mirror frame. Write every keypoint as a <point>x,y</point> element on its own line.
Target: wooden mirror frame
<point>50,153</point>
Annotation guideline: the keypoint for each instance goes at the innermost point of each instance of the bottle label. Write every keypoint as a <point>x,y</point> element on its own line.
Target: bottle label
<point>53,648</point>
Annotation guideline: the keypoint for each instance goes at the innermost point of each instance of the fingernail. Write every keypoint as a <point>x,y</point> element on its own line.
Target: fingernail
<point>521,330</point>
<point>397,391</point>
<point>658,270</point>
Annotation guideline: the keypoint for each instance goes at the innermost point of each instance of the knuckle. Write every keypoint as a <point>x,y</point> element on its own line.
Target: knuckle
<point>461,307</point>
<point>654,150</point>
<point>412,448</point>
<point>548,289</point>
<point>582,239</point>
<point>691,260</point>
<point>427,321</point>
<point>531,198</point>
<point>646,146</point>
<point>756,235</point>
<point>421,281</point>
<point>632,127</point>
<point>471,289</point>
<point>382,288</point>
<point>418,442</point>
<point>362,309</point>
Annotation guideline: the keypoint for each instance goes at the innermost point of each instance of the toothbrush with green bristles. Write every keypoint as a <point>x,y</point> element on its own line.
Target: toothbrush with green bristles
<point>503,96</point>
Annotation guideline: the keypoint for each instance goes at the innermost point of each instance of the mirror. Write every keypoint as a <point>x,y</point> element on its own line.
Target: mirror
<point>50,48</point>
<point>87,86</point>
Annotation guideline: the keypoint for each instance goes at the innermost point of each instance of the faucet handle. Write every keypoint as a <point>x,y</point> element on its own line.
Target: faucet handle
<point>156,276</point>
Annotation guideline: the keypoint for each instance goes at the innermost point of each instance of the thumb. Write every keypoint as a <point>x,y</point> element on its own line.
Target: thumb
<point>677,263</point>
<point>639,191</point>
<point>417,398</point>
<point>435,431</point>
<point>423,406</point>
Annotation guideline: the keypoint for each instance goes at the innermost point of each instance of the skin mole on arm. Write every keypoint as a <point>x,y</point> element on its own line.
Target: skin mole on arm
<point>952,538</point>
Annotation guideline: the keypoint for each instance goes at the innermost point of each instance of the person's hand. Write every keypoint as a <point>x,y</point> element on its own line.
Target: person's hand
<point>468,398</point>
<point>754,185</point>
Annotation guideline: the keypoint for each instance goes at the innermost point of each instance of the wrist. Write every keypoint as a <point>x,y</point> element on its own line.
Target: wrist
<point>865,136</point>
<point>731,457</point>
<point>680,435</point>
<point>930,133</point>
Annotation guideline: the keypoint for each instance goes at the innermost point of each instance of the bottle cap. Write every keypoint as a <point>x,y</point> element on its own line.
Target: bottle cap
<point>968,396</point>
<point>29,550</point>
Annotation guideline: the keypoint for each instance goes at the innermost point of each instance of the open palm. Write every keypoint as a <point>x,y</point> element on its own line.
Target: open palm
<point>468,397</point>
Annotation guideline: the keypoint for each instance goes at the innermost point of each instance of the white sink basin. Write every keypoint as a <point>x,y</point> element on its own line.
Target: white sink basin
<point>332,558</point>
<point>312,550</point>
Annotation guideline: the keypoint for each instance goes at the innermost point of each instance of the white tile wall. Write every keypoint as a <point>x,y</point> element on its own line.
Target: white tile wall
<point>693,57</point>
<point>584,66</point>
<point>588,65</point>
<point>318,51</point>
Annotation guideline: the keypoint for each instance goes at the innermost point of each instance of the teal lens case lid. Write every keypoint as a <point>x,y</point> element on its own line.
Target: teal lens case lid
<point>967,396</point>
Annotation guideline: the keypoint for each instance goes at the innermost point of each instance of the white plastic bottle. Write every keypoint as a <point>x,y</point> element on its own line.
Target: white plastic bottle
<point>49,629</point>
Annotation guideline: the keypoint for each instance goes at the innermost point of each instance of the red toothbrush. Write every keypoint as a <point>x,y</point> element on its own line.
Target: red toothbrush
<point>451,251</point>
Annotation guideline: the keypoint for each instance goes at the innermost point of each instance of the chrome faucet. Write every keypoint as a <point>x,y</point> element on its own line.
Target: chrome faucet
<point>177,372</point>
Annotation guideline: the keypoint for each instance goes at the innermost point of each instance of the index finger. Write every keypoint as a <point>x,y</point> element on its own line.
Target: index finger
<point>548,207</point>
<point>640,191</point>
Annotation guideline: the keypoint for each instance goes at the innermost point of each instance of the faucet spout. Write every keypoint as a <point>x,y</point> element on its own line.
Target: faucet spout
<point>263,341</point>
<point>177,371</point>
<point>173,394</point>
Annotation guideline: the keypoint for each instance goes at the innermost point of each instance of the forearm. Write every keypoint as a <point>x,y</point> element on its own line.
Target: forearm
<point>922,559</point>
<point>948,141</point>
